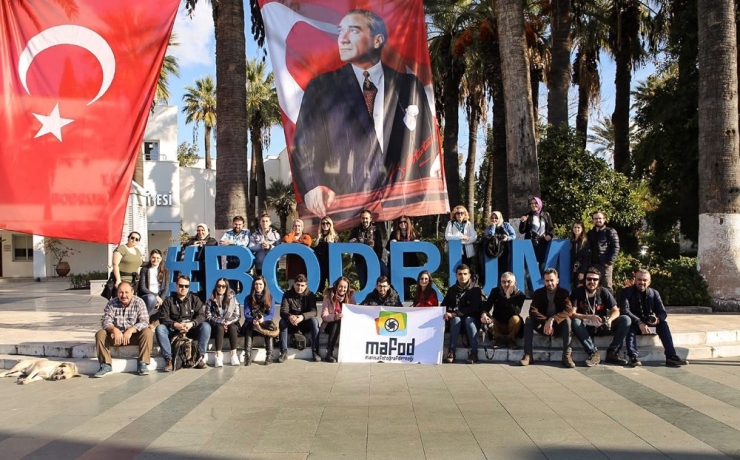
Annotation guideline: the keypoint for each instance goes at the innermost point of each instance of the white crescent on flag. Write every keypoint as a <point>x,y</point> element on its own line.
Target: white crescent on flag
<point>282,20</point>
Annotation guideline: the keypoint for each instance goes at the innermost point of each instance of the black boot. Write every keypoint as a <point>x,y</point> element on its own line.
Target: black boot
<point>248,350</point>
<point>268,349</point>
<point>330,356</point>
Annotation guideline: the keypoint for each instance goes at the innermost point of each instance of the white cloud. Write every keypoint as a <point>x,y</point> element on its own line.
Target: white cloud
<point>196,37</point>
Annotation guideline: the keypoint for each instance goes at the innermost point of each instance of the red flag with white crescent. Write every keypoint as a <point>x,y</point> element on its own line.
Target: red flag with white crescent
<point>348,153</point>
<point>78,79</point>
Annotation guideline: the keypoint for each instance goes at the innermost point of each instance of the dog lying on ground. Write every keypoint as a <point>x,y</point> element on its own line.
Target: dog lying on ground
<point>32,370</point>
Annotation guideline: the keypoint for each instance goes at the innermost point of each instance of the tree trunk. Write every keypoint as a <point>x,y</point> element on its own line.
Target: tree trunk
<point>584,90</point>
<point>497,167</point>
<point>451,131</point>
<point>719,149</point>
<point>621,115</point>
<point>521,149</point>
<point>252,201</point>
<point>259,170</point>
<point>207,142</point>
<point>558,79</point>
<point>535,76</point>
<point>488,174</point>
<point>473,121</point>
<point>231,111</point>
<point>139,169</point>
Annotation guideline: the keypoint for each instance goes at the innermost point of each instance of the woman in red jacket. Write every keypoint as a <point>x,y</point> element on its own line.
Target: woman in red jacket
<point>425,295</point>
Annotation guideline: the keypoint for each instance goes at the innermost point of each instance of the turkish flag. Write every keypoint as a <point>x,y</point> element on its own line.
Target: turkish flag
<point>78,79</point>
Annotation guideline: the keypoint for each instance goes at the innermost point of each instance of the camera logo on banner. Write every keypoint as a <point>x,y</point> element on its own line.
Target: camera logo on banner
<point>391,324</point>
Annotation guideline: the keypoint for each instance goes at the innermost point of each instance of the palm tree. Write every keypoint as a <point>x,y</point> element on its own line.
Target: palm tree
<point>523,178</point>
<point>603,138</point>
<point>200,106</point>
<point>448,38</point>
<point>263,112</point>
<point>719,153</point>
<point>231,131</point>
<point>281,199</point>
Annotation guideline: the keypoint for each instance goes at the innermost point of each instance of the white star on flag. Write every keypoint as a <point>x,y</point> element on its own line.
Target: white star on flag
<point>52,123</point>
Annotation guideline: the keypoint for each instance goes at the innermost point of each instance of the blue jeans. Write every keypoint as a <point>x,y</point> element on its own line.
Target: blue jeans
<point>562,329</point>
<point>581,332</point>
<point>307,325</point>
<point>150,300</point>
<point>664,333</point>
<point>470,327</point>
<point>201,333</point>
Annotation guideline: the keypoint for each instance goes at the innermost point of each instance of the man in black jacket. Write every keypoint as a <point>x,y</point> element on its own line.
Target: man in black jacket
<point>645,307</point>
<point>464,305</point>
<point>549,314</point>
<point>604,243</point>
<point>298,313</point>
<point>504,306</point>
<point>383,294</point>
<point>183,313</point>
<point>371,235</point>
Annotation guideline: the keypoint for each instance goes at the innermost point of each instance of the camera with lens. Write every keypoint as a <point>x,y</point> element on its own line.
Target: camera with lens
<point>605,326</point>
<point>650,319</point>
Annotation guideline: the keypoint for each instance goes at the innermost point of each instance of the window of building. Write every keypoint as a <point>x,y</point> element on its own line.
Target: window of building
<point>22,248</point>
<point>151,150</point>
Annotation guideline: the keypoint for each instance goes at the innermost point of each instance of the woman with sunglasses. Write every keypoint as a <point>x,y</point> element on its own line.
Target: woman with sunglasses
<point>326,236</point>
<point>257,310</point>
<point>223,313</point>
<point>459,228</point>
<point>404,231</point>
<point>425,295</point>
<point>154,281</point>
<point>331,312</point>
<point>127,259</point>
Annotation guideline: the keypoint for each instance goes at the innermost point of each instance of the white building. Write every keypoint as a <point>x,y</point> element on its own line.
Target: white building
<point>176,198</point>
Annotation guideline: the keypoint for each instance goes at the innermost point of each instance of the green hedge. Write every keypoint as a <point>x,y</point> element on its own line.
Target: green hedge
<point>677,280</point>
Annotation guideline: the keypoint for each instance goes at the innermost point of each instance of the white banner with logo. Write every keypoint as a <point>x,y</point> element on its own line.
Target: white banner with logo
<point>391,334</point>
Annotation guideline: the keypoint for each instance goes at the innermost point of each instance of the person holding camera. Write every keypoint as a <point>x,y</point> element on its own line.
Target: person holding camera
<point>331,312</point>
<point>496,244</point>
<point>596,314</point>
<point>502,310</point>
<point>536,225</point>
<point>183,313</point>
<point>223,314</point>
<point>645,307</point>
<point>549,314</point>
<point>464,305</point>
<point>298,313</point>
<point>258,315</point>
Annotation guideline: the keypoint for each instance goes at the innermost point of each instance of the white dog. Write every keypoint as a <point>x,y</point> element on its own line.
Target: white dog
<point>32,370</point>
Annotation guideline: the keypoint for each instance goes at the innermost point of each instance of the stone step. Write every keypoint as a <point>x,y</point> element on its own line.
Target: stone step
<point>689,310</point>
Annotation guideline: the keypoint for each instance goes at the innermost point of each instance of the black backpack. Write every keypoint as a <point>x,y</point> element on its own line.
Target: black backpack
<point>184,351</point>
<point>493,246</point>
<point>299,341</point>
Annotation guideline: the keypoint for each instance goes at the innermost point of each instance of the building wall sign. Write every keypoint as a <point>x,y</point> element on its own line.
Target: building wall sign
<point>159,199</point>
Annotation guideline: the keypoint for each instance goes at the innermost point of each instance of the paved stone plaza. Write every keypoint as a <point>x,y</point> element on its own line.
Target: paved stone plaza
<point>301,409</point>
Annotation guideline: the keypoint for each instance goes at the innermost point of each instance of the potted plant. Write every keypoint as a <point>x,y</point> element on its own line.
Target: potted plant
<point>60,251</point>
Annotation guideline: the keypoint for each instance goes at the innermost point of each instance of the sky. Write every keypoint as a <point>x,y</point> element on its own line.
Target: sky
<point>196,56</point>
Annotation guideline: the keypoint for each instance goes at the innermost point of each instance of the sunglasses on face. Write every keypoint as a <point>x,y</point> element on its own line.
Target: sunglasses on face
<point>424,279</point>
<point>325,223</point>
<point>133,238</point>
<point>403,222</point>
<point>460,213</point>
<point>592,279</point>
<point>183,286</point>
<point>221,286</point>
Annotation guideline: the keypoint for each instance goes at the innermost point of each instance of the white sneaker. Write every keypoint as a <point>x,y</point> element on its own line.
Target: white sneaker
<point>219,361</point>
<point>235,360</point>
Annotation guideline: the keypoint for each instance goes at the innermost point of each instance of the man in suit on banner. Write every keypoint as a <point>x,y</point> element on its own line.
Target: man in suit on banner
<point>364,132</point>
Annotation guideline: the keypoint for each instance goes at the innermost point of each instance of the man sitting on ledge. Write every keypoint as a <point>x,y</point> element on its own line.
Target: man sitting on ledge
<point>644,305</point>
<point>125,321</point>
<point>549,314</point>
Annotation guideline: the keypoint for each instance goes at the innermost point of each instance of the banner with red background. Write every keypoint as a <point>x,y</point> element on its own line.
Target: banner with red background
<point>78,79</point>
<point>339,163</point>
